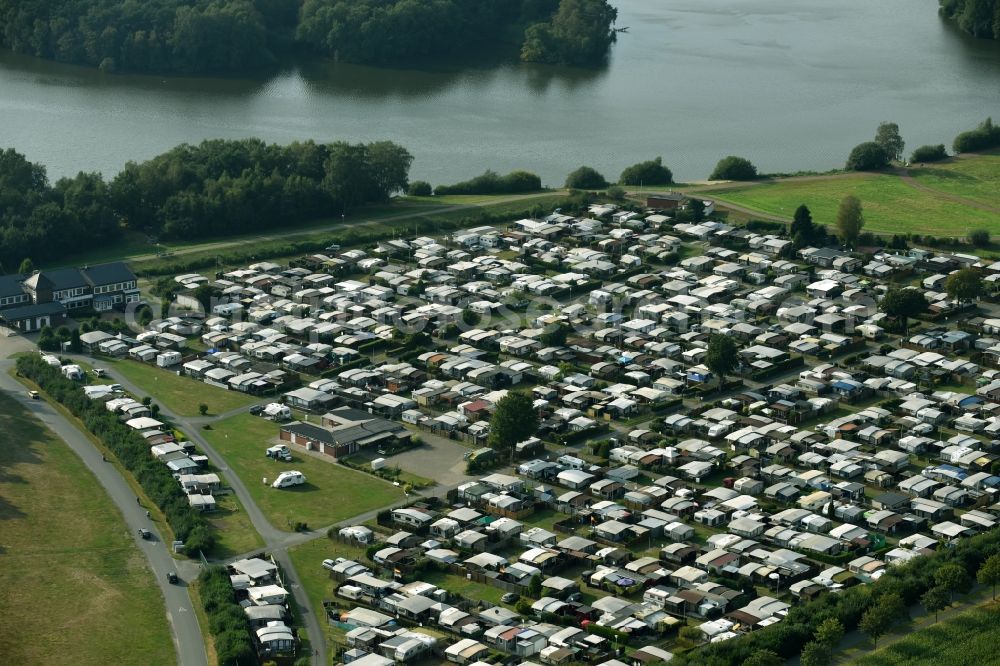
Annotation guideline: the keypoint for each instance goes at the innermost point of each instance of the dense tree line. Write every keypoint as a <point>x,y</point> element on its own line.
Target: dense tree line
<point>976,17</point>
<point>984,137</point>
<point>491,182</point>
<point>223,187</point>
<point>216,188</point>
<point>907,582</point>
<point>226,619</point>
<point>183,36</point>
<point>43,221</point>
<point>131,449</point>
<point>215,36</point>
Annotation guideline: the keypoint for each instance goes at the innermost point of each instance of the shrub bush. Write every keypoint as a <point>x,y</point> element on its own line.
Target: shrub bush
<point>419,188</point>
<point>734,168</point>
<point>929,153</point>
<point>491,182</point>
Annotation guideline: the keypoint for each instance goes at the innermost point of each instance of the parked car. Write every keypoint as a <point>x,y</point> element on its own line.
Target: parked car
<point>100,372</point>
<point>510,598</point>
<point>256,409</point>
<point>332,247</point>
<point>329,564</point>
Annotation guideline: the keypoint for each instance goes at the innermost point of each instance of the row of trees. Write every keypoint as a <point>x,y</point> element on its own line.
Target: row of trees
<point>131,449</point>
<point>872,608</point>
<point>888,147</point>
<point>217,188</point>
<point>653,172</point>
<point>648,172</point>
<point>217,36</point>
<point>491,182</point>
<point>226,619</point>
<point>976,17</point>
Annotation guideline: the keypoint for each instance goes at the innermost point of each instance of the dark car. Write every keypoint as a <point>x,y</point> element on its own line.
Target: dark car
<point>510,598</point>
<point>172,578</point>
<point>256,409</point>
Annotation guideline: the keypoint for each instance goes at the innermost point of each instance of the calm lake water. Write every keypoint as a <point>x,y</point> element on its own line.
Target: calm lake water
<point>789,84</point>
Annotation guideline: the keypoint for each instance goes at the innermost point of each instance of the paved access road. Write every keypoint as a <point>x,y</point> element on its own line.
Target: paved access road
<point>186,632</point>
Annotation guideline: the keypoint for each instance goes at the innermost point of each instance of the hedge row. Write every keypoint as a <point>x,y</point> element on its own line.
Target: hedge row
<point>910,581</point>
<point>226,619</point>
<point>131,449</point>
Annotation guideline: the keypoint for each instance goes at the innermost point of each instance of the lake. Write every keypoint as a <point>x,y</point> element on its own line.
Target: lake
<point>789,84</point>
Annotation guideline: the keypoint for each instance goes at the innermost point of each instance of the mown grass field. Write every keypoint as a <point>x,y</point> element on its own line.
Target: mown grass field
<point>182,395</point>
<point>890,204</point>
<point>976,177</point>
<point>963,640</point>
<point>234,533</point>
<point>331,493</point>
<point>76,589</point>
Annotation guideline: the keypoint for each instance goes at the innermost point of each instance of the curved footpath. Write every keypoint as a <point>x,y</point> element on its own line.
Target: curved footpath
<point>184,628</point>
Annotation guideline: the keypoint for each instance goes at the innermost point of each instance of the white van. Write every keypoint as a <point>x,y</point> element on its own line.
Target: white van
<point>288,479</point>
<point>350,592</point>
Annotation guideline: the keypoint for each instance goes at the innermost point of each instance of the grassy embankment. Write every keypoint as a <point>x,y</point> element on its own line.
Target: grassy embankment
<point>964,639</point>
<point>76,587</point>
<point>331,493</point>
<point>370,220</point>
<point>892,203</point>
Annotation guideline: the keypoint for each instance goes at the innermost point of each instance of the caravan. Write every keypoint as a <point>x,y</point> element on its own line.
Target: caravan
<point>288,479</point>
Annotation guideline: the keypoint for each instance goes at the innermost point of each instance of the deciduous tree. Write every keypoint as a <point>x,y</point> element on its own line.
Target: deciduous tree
<point>650,172</point>
<point>722,356</point>
<point>989,573</point>
<point>888,137</point>
<point>936,600</point>
<point>514,420</point>
<point>734,168</point>
<point>850,219</point>
<point>964,285</point>
<point>903,304</point>
<point>586,178</point>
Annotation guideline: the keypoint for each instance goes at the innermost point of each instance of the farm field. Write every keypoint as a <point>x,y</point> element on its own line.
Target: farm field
<point>331,493</point>
<point>890,204</point>
<point>968,638</point>
<point>181,395</point>
<point>73,578</point>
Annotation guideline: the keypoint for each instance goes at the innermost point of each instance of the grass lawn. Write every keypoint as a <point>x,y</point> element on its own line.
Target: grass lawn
<point>76,588</point>
<point>181,395</point>
<point>308,559</point>
<point>234,533</point>
<point>890,205</point>
<point>967,638</point>
<point>459,586</point>
<point>976,178</point>
<point>331,493</point>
